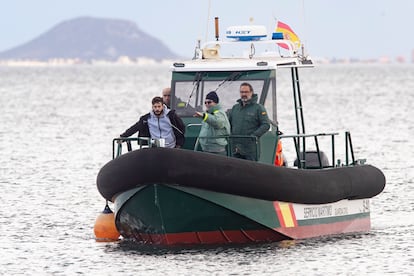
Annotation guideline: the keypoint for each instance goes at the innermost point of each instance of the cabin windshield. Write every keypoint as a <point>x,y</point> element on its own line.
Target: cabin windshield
<point>190,88</point>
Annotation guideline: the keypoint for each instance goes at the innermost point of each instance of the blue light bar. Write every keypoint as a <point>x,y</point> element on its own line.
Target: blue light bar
<point>276,36</point>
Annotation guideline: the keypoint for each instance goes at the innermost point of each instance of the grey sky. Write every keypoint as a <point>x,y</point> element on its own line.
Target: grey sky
<point>329,28</point>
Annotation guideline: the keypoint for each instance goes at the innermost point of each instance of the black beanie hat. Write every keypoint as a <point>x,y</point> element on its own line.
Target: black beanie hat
<point>212,96</point>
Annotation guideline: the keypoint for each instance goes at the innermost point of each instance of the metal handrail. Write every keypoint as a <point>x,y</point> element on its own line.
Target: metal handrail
<point>117,142</point>
<point>348,143</point>
<point>148,142</point>
<point>193,125</point>
<point>229,139</point>
<point>302,159</point>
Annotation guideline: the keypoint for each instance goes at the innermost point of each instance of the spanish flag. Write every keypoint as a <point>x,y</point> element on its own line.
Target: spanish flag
<point>288,34</point>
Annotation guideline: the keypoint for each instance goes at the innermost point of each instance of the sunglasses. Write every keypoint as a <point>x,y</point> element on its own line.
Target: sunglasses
<point>208,102</point>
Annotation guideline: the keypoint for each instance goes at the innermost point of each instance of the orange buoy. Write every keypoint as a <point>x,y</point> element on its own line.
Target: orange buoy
<point>105,229</point>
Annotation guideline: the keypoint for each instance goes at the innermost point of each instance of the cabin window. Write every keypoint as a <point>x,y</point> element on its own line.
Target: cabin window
<point>270,102</point>
<point>189,94</point>
<point>190,98</point>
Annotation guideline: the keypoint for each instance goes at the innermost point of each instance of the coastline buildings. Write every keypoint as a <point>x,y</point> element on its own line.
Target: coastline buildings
<point>144,61</point>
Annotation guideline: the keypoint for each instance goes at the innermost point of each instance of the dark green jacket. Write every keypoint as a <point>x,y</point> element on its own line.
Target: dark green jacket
<point>250,119</point>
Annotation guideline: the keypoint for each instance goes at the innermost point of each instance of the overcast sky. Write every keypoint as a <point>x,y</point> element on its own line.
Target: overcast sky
<point>329,28</point>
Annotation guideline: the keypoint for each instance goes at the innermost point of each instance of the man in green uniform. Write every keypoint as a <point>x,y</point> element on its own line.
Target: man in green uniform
<point>215,123</point>
<point>248,118</point>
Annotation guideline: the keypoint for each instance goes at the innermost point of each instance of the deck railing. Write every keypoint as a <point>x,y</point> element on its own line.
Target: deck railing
<point>301,153</point>
<point>300,143</point>
<point>141,142</point>
<point>230,141</point>
<point>144,142</point>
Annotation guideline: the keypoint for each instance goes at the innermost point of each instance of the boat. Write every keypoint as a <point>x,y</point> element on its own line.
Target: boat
<point>170,197</point>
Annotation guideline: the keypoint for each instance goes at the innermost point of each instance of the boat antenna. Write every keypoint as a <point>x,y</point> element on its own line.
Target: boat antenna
<point>208,16</point>
<point>304,30</point>
<point>216,26</point>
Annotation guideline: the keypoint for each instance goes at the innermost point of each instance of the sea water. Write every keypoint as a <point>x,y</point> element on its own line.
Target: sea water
<point>56,128</point>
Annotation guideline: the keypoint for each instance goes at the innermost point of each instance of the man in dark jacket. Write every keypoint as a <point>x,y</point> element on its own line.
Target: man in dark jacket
<point>249,118</point>
<point>160,123</point>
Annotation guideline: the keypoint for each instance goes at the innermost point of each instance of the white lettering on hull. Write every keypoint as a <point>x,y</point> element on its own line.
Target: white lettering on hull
<point>340,208</point>
<point>317,212</point>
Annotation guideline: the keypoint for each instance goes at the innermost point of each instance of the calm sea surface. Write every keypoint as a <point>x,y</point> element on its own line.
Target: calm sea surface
<point>56,127</point>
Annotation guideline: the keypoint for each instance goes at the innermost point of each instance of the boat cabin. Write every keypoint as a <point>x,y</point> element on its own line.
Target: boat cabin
<point>213,70</point>
<point>222,66</point>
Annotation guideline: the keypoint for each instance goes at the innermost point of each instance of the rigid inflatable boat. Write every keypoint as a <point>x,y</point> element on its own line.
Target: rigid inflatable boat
<point>186,196</point>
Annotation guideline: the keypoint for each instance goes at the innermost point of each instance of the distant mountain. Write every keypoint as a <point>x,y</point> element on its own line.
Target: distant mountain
<point>90,38</point>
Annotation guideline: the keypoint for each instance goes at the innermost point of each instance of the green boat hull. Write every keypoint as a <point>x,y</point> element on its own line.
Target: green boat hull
<point>170,215</point>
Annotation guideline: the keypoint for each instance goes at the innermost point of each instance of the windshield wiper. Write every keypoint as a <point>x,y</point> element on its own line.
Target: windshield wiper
<point>232,77</point>
<point>196,84</point>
